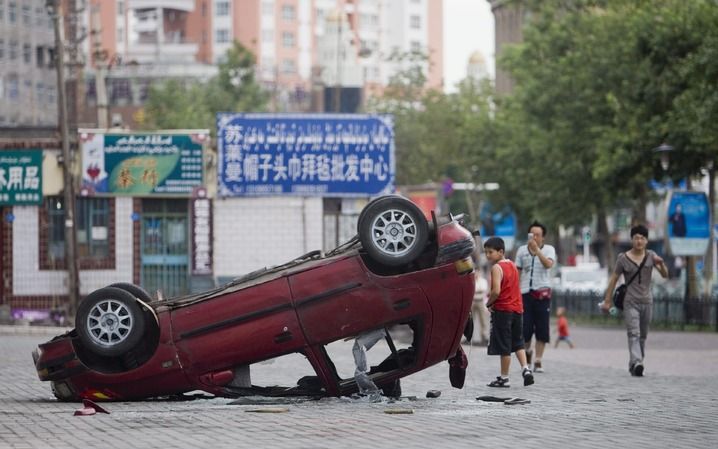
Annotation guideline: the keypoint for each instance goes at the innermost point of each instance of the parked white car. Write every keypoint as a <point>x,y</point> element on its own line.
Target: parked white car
<point>587,277</point>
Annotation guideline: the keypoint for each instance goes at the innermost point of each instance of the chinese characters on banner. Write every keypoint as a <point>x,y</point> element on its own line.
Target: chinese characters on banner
<point>20,177</point>
<point>201,236</point>
<point>141,164</point>
<point>308,154</point>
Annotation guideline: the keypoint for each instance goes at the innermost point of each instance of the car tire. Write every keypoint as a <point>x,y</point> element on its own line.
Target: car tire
<point>373,202</point>
<point>393,231</point>
<point>110,322</point>
<point>137,291</point>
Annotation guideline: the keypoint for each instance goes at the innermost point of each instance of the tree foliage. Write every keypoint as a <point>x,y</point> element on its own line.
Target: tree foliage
<point>185,104</point>
<point>599,85</point>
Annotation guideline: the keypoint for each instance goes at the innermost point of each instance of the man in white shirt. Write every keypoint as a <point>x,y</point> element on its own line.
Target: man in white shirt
<point>534,261</point>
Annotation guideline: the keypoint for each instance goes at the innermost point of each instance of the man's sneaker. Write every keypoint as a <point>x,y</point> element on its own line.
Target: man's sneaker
<point>637,370</point>
<point>528,377</point>
<point>537,367</point>
<point>500,382</point>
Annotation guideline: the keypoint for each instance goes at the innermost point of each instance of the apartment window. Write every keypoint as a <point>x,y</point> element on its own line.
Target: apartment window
<point>120,8</point>
<point>267,36</point>
<point>268,8</point>
<point>222,36</point>
<point>221,8</point>
<point>2,10</point>
<point>26,16</point>
<point>204,9</point>
<point>288,66</point>
<point>13,50</point>
<point>12,12</point>
<point>40,92</point>
<point>415,22</point>
<point>50,96</point>
<point>27,53</point>
<point>120,36</point>
<point>95,233</point>
<point>415,46</point>
<point>40,57</point>
<point>40,16</point>
<point>2,49</point>
<point>120,91</point>
<point>287,39</point>
<point>13,87</point>
<point>288,12</point>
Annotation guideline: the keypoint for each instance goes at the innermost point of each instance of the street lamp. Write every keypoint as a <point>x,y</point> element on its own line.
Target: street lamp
<point>73,283</point>
<point>664,151</point>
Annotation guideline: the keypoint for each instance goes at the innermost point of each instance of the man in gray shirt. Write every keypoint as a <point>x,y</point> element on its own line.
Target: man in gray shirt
<point>638,304</point>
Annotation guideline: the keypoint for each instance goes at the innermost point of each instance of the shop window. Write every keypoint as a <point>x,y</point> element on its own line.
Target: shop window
<point>95,233</point>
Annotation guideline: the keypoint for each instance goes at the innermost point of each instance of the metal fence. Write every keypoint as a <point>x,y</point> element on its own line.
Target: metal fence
<point>668,311</point>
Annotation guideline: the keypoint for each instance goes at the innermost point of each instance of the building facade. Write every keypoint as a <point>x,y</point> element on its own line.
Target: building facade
<point>509,16</point>
<point>27,77</point>
<point>298,44</point>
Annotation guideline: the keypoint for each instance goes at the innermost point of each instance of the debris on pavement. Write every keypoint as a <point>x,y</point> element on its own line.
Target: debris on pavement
<point>89,408</point>
<point>399,411</point>
<point>433,393</point>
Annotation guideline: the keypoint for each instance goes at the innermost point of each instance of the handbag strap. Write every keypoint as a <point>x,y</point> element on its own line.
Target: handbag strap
<point>643,262</point>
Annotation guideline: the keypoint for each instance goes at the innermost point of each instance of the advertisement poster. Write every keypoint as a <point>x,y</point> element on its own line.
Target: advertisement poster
<point>137,164</point>
<point>20,177</point>
<point>307,154</point>
<point>498,224</point>
<point>688,223</point>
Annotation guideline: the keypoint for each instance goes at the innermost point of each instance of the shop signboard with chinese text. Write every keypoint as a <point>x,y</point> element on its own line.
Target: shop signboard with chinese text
<point>308,154</point>
<point>138,164</point>
<point>201,236</point>
<point>20,177</point>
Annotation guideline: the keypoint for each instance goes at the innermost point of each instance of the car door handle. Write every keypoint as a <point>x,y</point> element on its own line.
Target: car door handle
<point>402,304</point>
<point>283,337</point>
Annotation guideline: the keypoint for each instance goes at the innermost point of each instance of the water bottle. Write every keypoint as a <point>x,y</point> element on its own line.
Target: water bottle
<point>613,311</point>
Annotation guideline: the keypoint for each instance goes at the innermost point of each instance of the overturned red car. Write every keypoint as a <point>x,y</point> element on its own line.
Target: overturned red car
<point>403,277</point>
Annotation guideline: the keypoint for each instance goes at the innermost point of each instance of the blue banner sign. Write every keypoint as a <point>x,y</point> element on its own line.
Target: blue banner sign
<point>305,154</point>
<point>688,223</point>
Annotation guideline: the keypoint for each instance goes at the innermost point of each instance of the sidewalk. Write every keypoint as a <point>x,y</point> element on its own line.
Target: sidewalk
<point>586,399</point>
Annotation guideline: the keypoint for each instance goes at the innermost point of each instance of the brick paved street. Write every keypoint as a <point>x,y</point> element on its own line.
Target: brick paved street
<point>586,399</point>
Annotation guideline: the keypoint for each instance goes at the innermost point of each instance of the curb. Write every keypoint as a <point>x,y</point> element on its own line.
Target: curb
<point>27,330</point>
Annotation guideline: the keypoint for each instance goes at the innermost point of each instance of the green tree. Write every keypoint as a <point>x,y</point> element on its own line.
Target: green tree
<point>440,135</point>
<point>193,104</point>
<point>599,84</point>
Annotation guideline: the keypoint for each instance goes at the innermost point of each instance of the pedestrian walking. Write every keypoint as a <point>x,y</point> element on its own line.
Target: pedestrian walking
<point>638,303</point>
<point>535,260</point>
<point>506,313</point>
<point>562,328</point>
<point>478,309</point>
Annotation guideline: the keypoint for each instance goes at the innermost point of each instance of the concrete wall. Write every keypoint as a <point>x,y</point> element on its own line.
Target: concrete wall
<point>29,280</point>
<point>251,233</point>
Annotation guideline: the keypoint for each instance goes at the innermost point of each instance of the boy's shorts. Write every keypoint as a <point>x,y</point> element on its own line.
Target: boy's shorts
<point>506,333</point>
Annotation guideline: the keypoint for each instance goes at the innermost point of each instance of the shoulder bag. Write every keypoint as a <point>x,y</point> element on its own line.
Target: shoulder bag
<point>620,294</point>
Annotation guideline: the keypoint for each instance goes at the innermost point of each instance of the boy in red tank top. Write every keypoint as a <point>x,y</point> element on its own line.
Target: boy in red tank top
<point>507,309</point>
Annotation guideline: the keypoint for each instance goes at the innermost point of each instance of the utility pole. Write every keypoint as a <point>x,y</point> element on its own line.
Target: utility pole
<point>338,85</point>
<point>100,70</point>
<point>73,281</point>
